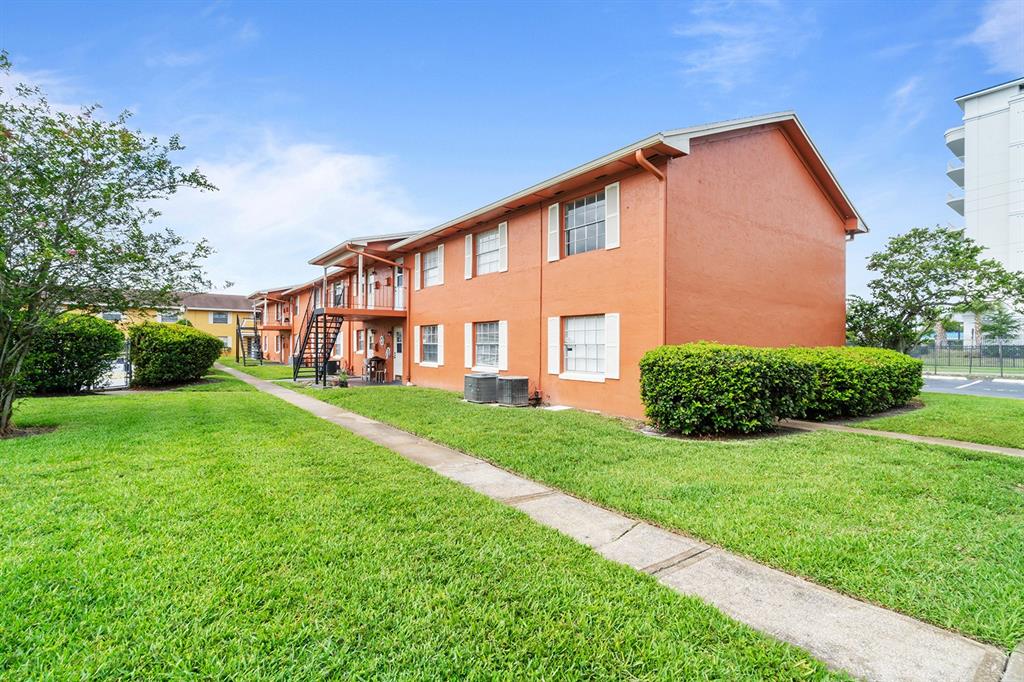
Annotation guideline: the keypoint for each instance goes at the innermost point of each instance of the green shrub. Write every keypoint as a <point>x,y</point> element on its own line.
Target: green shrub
<point>704,388</point>
<point>184,322</point>
<point>854,382</point>
<point>71,355</point>
<point>170,353</point>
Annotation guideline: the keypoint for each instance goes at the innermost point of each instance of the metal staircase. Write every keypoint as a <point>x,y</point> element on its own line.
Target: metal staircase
<point>319,331</point>
<point>248,342</point>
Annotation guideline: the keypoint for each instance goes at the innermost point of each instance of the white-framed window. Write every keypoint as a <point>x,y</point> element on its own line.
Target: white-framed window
<point>360,340</point>
<point>428,342</point>
<point>277,343</point>
<point>583,223</point>
<point>226,340</point>
<point>488,252</point>
<point>219,318</point>
<point>264,344</point>
<point>431,268</point>
<point>583,344</point>
<point>170,318</point>
<point>486,344</point>
<point>112,316</point>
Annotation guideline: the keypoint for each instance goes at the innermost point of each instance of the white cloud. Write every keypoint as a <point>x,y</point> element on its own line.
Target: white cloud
<point>1001,36</point>
<point>907,106</point>
<point>730,42</point>
<point>59,92</point>
<point>278,205</point>
<point>248,33</point>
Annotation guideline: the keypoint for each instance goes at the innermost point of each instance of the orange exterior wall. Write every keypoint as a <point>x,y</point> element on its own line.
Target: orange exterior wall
<point>623,280</point>
<point>756,252</point>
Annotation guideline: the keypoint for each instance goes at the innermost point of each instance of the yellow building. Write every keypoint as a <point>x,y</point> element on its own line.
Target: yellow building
<point>215,314</point>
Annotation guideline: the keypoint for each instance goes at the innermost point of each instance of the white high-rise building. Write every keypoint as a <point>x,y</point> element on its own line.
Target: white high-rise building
<point>989,147</point>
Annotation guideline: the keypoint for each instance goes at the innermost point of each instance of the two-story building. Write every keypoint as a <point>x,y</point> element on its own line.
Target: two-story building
<point>732,232</point>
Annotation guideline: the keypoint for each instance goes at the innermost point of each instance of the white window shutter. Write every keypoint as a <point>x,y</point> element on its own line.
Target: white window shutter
<point>416,340</point>
<point>503,247</point>
<point>469,256</point>
<point>554,345</point>
<point>417,278</point>
<point>553,242</point>
<point>440,344</point>
<point>611,216</point>
<point>468,343</point>
<point>611,346</point>
<point>503,344</point>
<point>440,263</point>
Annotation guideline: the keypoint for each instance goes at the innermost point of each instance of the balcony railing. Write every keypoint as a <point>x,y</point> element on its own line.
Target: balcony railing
<point>383,298</point>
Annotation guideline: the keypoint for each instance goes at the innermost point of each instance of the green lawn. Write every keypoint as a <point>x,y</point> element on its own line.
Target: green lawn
<point>221,533</point>
<point>993,421</point>
<point>934,532</point>
<point>268,370</point>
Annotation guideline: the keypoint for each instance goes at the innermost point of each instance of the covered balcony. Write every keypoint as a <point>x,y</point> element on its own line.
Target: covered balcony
<point>955,202</point>
<point>379,300</point>
<point>955,141</point>
<point>955,172</point>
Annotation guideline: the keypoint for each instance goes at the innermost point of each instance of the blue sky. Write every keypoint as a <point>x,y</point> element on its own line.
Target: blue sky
<point>322,121</point>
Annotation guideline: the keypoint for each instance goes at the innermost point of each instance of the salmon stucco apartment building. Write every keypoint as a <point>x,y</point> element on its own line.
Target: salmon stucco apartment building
<point>732,232</point>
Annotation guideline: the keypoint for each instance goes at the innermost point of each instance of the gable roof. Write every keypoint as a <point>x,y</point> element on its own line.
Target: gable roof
<point>671,143</point>
<point>216,302</point>
<point>333,253</point>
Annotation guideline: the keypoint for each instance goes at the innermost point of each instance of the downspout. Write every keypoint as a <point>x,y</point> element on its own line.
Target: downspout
<point>653,170</point>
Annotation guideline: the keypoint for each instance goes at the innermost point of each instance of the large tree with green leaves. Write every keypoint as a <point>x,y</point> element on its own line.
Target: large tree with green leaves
<point>1000,325</point>
<point>78,197</point>
<point>922,277</point>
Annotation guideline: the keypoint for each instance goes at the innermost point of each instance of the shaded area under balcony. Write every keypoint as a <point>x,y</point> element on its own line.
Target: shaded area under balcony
<point>955,141</point>
<point>955,202</point>
<point>955,172</point>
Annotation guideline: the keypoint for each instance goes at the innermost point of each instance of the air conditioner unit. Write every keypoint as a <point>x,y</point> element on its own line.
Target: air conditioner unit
<point>513,391</point>
<point>481,388</point>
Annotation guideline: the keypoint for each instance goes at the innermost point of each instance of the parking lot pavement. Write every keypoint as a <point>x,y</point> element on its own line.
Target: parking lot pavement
<point>990,388</point>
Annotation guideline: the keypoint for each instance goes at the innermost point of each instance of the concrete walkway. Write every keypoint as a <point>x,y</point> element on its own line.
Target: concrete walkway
<point>866,641</point>
<point>911,438</point>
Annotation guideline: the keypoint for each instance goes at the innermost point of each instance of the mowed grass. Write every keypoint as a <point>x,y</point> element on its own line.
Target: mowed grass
<point>268,370</point>
<point>225,534</point>
<point>992,421</point>
<point>937,533</point>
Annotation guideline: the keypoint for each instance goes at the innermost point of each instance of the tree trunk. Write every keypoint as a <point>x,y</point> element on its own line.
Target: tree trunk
<point>13,351</point>
<point>940,335</point>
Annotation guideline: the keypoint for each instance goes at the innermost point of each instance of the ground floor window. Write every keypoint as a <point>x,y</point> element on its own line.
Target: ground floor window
<point>277,344</point>
<point>486,344</point>
<point>584,344</point>
<point>226,340</point>
<point>169,317</point>
<point>429,349</point>
<point>111,316</point>
<point>360,341</point>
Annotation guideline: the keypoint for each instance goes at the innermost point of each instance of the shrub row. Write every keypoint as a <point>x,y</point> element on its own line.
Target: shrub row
<point>71,354</point>
<point>164,354</point>
<point>706,388</point>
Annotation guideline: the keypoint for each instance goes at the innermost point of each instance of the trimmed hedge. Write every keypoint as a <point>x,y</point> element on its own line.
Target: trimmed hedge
<point>71,355</point>
<point>855,382</point>
<point>704,388</point>
<point>170,353</point>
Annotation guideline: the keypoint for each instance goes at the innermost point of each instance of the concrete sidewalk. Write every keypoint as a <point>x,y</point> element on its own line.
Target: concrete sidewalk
<point>862,639</point>
<point>909,437</point>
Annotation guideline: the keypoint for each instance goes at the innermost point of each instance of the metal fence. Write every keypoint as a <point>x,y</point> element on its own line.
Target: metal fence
<point>954,358</point>
<point>120,373</point>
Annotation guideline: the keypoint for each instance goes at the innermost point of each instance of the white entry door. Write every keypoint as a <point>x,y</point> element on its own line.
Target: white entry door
<point>398,353</point>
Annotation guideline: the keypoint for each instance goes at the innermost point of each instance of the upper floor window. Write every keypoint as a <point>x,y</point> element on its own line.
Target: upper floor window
<point>219,318</point>
<point>431,268</point>
<point>486,344</point>
<point>583,222</point>
<point>429,349</point>
<point>488,258</point>
<point>584,344</point>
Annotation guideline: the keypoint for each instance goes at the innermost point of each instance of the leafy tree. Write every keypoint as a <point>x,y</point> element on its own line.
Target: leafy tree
<point>76,196</point>
<point>923,276</point>
<point>1000,325</point>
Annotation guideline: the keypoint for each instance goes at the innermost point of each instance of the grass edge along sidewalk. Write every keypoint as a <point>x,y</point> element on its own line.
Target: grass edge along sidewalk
<point>227,534</point>
<point>934,532</point>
